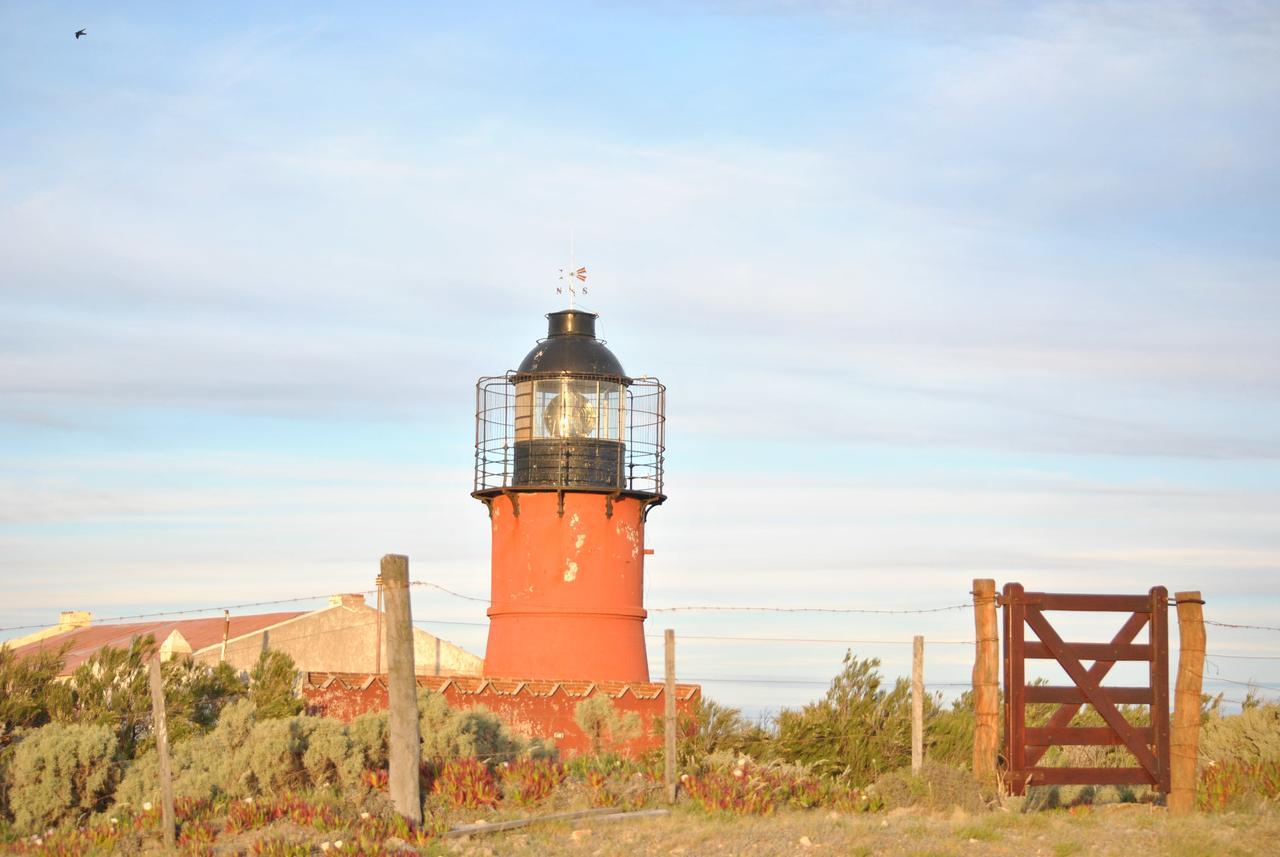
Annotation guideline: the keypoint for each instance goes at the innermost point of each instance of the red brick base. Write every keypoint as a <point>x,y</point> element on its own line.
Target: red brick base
<point>531,708</point>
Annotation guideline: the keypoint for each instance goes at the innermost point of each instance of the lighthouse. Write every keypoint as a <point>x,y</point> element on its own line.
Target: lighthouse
<point>569,458</point>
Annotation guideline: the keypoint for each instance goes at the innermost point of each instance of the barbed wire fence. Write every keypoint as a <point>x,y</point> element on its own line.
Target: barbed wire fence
<point>689,636</point>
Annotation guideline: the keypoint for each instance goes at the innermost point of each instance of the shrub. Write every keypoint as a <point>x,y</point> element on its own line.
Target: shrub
<point>271,686</point>
<point>937,786</point>
<point>448,733</point>
<point>28,689</point>
<point>1237,784</point>
<point>948,733</point>
<point>368,734</point>
<point>111,689</point>
<point>274,757</point>
<point>204,766</point>
<point>195,695</point>
<point>62,772</point>
<point>244,756</point>
<point>331,758</point>
<point>1253,735</point>
<point>857,731</point>
<point>605,727</point>
<point>6,758</point>
<point>711,728</point>
<point>1240,758</point>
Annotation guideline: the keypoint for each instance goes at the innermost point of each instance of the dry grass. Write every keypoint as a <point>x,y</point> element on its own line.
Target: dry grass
<point>1120,830</point>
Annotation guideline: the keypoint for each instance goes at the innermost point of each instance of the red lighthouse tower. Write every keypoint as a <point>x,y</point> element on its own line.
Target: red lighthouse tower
<point>569,453</point>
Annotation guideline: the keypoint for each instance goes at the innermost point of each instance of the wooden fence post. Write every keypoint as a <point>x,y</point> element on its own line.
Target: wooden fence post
<point>160,726</point>
<point>917,703</point>
<point>377,630</point>
<point>1184,737</point>
<point>986,685</point>
<point>226,632</point>
<point>402,691</point>
<point>669,712</point>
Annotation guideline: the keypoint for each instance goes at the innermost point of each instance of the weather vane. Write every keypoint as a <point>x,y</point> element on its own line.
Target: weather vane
<point>573,279</point>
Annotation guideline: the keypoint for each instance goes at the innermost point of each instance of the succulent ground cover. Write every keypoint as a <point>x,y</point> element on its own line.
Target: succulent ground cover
<point>1115,829</point>
<point>736,806</point>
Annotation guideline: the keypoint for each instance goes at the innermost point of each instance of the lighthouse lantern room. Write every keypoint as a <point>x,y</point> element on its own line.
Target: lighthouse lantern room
<point>569,456</point>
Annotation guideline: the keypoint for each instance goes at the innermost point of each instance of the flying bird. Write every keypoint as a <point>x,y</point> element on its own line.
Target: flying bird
<point>80,33</point>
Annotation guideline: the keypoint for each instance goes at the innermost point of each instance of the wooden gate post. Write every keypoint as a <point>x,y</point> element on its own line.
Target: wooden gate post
<point>986,678</point>
<point>1184,738</point>
<point>404,742</point>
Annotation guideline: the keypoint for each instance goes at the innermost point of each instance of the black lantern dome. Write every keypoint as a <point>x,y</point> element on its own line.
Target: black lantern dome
<point>569,418</point>
<point>571,346</point>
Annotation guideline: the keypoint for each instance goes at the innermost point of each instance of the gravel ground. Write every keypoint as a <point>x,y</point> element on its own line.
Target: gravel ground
<point>1129,830</point>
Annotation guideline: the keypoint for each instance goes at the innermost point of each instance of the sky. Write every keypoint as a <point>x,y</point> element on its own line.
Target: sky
<point>960,291</point>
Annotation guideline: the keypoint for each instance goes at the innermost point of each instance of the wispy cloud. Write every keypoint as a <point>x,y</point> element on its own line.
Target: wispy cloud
<point>939,293</point>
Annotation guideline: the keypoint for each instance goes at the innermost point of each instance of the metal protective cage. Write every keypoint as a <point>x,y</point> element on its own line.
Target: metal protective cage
<point>643,438</point>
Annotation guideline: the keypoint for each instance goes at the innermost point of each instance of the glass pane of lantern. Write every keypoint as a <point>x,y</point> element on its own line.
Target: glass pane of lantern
<point>523,421</point>
<point>565,407</point>
<point>612,412</point>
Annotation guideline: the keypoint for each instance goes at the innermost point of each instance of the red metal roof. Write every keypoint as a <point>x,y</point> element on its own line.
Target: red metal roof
<point>483,685</point>
<point>199,633</point>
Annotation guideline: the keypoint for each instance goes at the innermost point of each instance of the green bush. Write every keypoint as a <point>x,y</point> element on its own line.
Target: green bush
<point>29,693</point>
<point>6,759</point>
<point>331,758</point>
<point>937,786</point>
<point>204,765</point>
<point>271,686</point>
<point>275,752</point>
<point>112,689</point>
<point>61,772</point>
<point>368,734</point>
<point>1251,736</point>
<point>605,727</point>
<point>948,733</point>
<point>713,728</point>
<point>857,731</point>
<point>448,733</point>
<point>245,756</point>
<point>195,695</point>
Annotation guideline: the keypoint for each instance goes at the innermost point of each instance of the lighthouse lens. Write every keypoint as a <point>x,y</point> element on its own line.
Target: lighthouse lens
<point>569,414</point>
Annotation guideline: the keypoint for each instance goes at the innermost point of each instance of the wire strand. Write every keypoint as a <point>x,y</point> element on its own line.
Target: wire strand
<point>680,636</point>
<point>708,608</point>
<point>1246,627</point>
<point>111,620</point>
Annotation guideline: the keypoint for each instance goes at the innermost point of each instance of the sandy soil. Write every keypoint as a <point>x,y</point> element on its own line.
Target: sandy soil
<point>1129,830</point>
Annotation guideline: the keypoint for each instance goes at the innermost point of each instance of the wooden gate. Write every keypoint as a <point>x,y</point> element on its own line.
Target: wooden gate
<point>1024,747</point>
